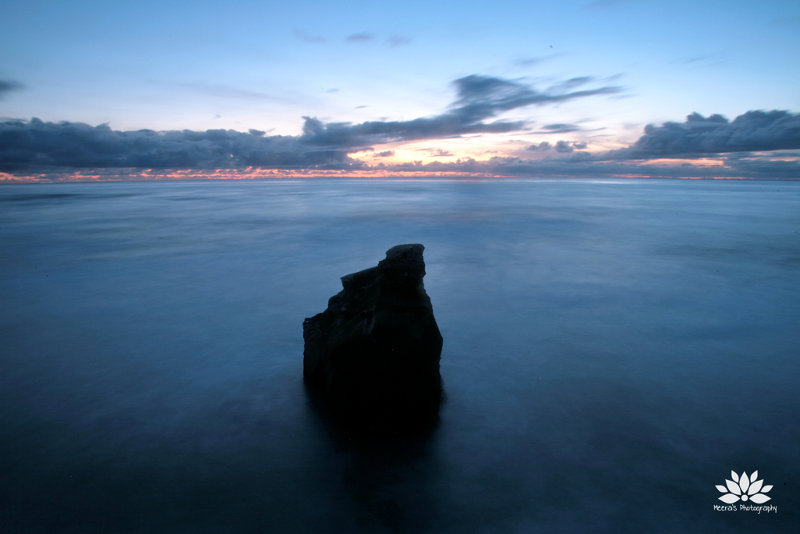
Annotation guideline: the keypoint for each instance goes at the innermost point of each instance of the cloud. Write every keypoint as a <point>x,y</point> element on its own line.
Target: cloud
<point>564,146</point>
<point>544,146</point>
<point>32,145</point>
<point>572,83</point>
<point>360,37</point>
<point>560,146</point>
<point>368,37</point>
<point>765,167</point>
<point>533,61</point>
<point>742,147</point>
<point>561,127</point>
<point>481,97</point>
<point>585,165</point>
<point>308,38</point>
<point>46,145</point>
<point>438,152</point>
<point>698,135</point>
<point>398,40</point>
<point>7,86</point>
<point>478,98</point>
<point>699,61</point>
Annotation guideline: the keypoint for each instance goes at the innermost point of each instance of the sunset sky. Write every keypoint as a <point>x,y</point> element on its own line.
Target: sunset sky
<point>239,89</point>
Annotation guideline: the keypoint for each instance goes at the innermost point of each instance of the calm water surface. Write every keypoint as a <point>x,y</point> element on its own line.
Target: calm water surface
<point>612,350</point>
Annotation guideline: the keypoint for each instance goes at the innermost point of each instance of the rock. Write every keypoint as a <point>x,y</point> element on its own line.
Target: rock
<point>372,357</point>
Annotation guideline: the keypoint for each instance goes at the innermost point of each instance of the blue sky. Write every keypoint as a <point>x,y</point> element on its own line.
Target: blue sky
<point>267,65</point>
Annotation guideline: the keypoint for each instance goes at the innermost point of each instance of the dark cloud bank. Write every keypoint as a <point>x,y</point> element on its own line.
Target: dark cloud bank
<point>35,146</point>
<point>754,131</point>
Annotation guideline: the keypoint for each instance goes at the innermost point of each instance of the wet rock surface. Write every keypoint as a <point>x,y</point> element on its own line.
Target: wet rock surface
<point>372,357</point>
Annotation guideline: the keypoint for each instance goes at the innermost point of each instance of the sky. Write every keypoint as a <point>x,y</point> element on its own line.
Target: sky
<point>240,89</point>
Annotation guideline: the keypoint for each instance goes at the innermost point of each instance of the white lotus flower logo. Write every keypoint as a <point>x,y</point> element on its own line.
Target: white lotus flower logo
<point>744,488</point>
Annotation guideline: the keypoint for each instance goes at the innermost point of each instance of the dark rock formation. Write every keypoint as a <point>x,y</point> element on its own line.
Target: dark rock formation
<point>372,357</point>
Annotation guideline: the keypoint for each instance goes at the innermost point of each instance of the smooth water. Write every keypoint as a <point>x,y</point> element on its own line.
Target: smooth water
<point>612,350</point>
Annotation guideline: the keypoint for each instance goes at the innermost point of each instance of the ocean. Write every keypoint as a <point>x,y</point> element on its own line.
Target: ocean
<point>613,349</point>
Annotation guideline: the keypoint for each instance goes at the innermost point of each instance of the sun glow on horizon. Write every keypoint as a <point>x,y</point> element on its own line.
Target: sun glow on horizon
<point>649,170</point>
